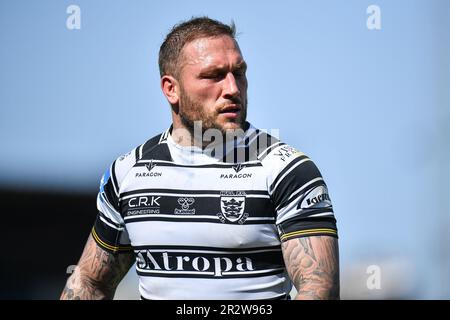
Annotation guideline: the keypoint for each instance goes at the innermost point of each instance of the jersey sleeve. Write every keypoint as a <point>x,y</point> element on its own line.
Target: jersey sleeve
<point>300,195</point>
<point>109,229</point>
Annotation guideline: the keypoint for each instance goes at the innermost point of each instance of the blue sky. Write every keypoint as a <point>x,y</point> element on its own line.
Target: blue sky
<point>371,107</point>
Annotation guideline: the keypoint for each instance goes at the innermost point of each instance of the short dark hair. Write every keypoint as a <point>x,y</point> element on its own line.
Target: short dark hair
<point>185,32</point>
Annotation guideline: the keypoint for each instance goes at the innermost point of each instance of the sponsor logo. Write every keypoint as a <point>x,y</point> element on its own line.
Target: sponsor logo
<point>205,264</point>
<point>185,203</point>
<point>148,173</point>
<point>235,176</point>
<point>232,206</point>
<point>286,152</point>
<point>237,167</point>
<point>318,195</point>
<point>143,205</point>
<point>150,165</point>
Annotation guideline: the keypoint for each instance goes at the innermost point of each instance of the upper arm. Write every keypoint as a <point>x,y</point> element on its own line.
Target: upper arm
<point>313,266</point>
<point>305,222</point>
<point>108,253</point>
<point>98,273</point>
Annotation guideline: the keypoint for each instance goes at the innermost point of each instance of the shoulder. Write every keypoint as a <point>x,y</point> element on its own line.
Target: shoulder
<point>274,153</point>
<point>125,162</point>
<point>289,168</point>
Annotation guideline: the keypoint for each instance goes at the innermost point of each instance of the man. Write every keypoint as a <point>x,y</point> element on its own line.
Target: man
<point>212,208</point>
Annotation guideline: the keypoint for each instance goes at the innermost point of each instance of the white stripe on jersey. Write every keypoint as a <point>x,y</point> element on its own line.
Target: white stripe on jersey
<point>217,235</point>
<point>209,273</point>
<point>212,218</point>
<point>264,287</point>
<point>110,224</point>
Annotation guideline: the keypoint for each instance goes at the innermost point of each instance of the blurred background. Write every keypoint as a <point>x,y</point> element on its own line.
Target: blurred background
<point>362,87</point>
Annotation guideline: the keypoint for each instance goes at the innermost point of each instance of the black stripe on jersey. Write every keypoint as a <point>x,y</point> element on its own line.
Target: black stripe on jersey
<point>264,141</point>
<point>265,153</point>
<point>110,195</point>
<point>287,168</point>
<point>189,192</point>
<point>209,264</point>
<point>253,145</point>
<point>105,232</point>
<point>199,166</point>
<point>237,155</point>
<point>153,150</point>
<point>257,142</point>
<point>297,178</point>
<point>207,276</point>
<point>251,135</point>
<point>165,134</point>
<point>108,238</point>
<point>200,206</point>
<point>299,226</point>
<point>136,154</point>
<point>201,248</point>
<point>284,198</point>
<point>283,296</point>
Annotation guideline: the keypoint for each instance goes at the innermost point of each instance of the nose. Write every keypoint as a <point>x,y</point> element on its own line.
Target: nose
<point>230,89</point>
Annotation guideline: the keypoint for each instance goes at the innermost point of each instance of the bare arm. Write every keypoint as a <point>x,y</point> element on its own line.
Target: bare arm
<point>313,266</point>
<point>97,274</point>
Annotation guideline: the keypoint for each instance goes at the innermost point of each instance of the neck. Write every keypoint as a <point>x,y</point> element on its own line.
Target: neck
<point>196,137</point>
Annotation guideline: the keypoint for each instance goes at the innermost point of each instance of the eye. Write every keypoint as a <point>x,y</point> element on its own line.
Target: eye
<point>214,76</point>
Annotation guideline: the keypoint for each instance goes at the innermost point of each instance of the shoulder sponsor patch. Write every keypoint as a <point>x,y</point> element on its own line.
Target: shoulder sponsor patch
<point>316,196</point>
<point>286,152</point>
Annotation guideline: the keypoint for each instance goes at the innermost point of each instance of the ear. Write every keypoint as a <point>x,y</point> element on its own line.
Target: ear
<point>170,88</point>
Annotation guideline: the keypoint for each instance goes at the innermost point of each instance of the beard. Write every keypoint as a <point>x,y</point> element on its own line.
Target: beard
<point>191,111</point>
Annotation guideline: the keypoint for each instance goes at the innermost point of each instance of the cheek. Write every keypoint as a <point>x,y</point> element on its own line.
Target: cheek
<point>209,93</point>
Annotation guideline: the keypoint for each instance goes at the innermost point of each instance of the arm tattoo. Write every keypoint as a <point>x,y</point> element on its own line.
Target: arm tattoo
<point>97,274</point>
<point>313,266</point>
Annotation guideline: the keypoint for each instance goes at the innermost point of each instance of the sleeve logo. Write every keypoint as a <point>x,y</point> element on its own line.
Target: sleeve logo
<point>317,196</point>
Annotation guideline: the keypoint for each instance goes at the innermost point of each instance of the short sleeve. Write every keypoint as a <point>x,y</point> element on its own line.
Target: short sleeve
<point>300,195</point>
<point>109,230</point>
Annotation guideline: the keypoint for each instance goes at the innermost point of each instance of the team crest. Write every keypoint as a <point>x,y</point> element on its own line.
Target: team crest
<point>232,206</point>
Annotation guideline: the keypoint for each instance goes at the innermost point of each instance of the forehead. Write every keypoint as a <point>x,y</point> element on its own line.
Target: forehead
<point>208,52</point>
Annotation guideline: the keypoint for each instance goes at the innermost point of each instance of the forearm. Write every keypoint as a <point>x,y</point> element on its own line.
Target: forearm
<point>313,266</point>
<point>97,274</point>
<point>311,289</point>
<point>80,287</point>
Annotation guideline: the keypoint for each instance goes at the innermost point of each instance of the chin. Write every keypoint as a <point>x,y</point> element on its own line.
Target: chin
<point>230,126</point>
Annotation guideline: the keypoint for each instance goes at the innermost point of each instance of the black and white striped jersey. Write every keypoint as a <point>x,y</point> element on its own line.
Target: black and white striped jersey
<point>202,227</point>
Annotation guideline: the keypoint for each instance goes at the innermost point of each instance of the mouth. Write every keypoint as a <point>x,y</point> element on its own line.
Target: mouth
<point>231,110</point>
